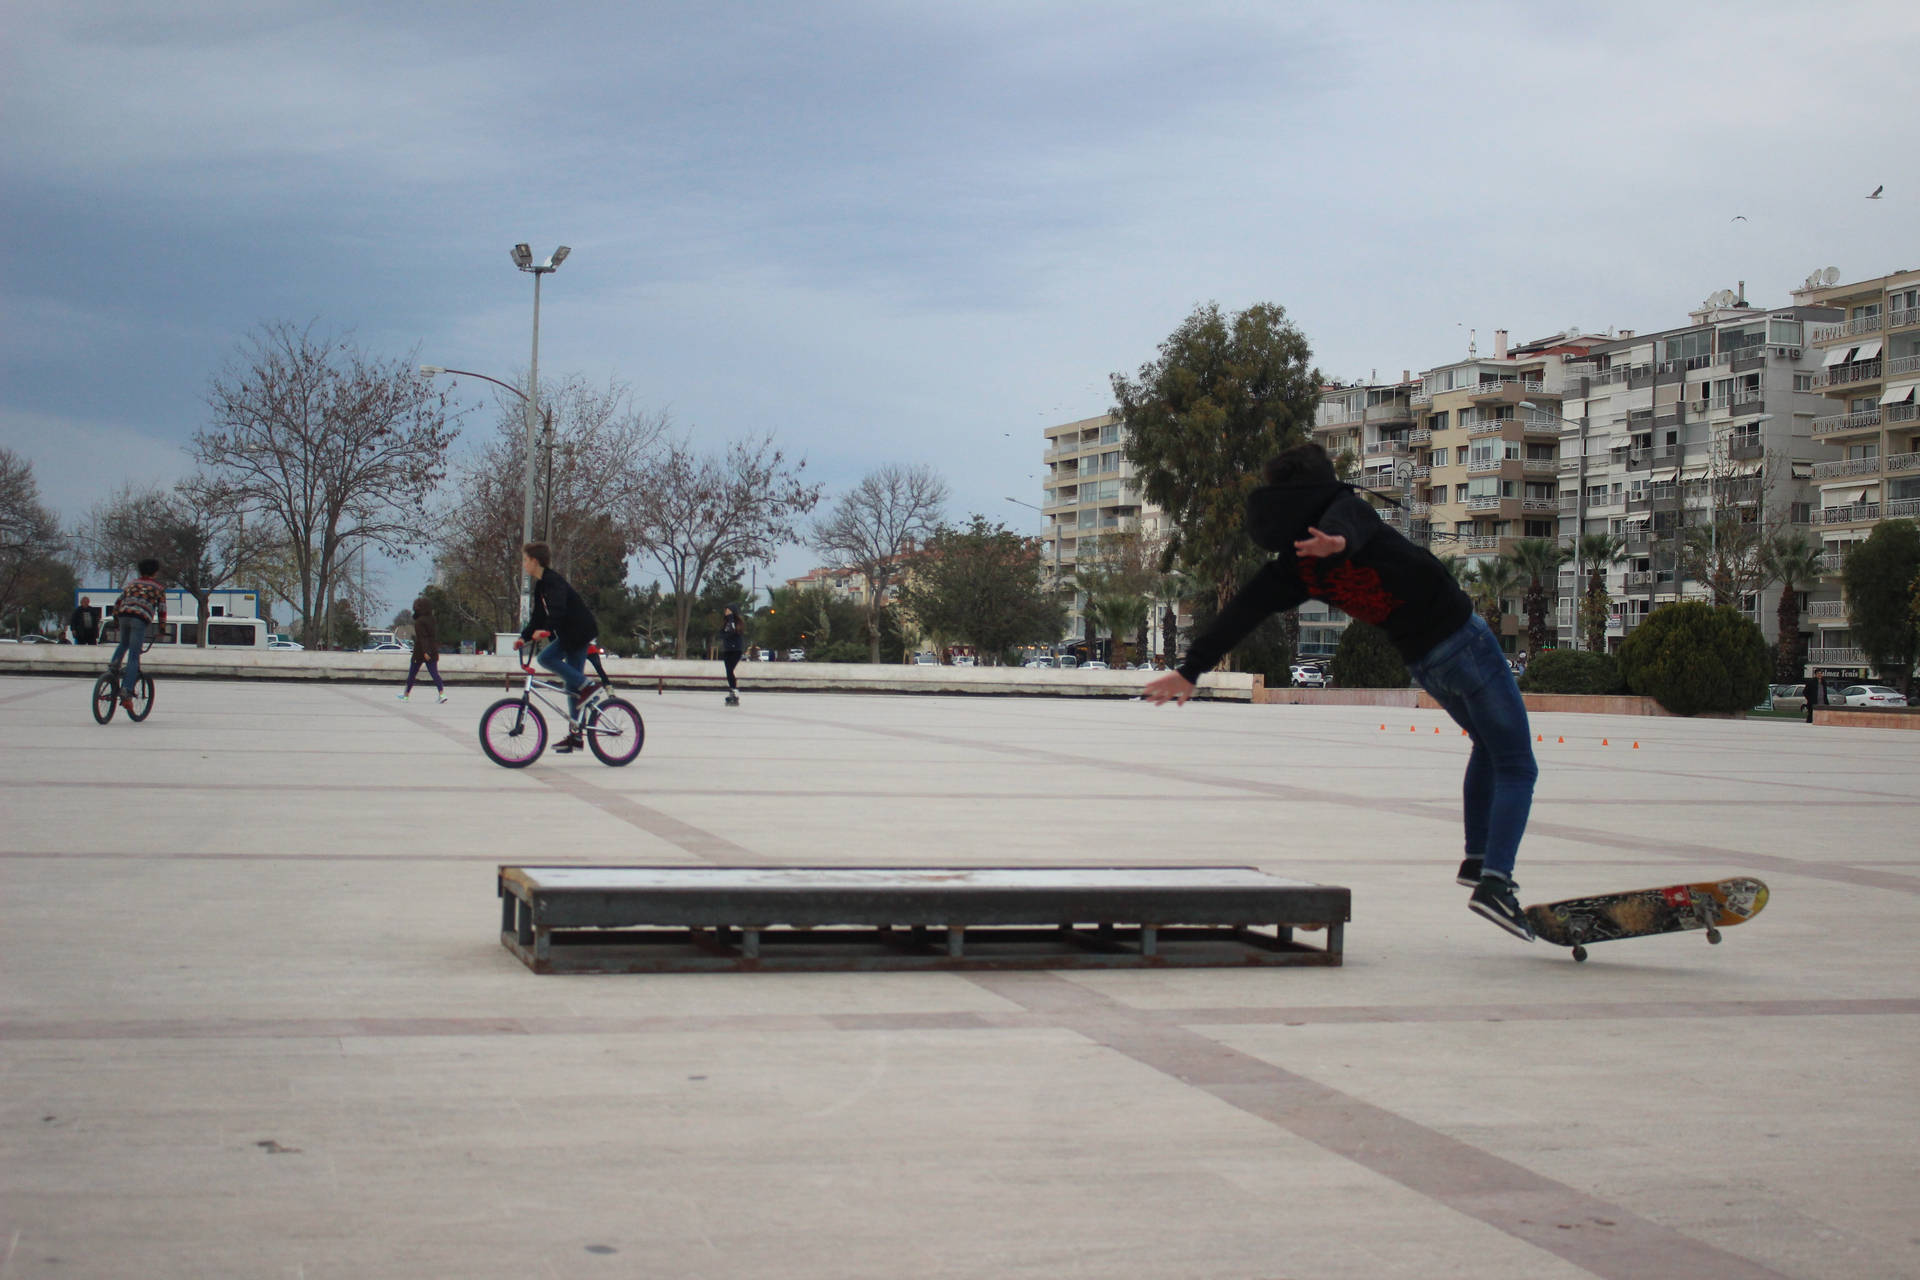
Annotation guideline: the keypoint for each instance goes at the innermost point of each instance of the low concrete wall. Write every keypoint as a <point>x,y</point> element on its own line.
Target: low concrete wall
<point>634,674</point>
<point>1588,703</point>
<point>1868,717</point>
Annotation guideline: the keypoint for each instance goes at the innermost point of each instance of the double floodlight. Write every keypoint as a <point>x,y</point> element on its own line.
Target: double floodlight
<point>523,259</point>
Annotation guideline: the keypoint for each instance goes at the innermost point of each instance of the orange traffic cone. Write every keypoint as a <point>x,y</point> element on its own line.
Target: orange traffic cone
<point>1636,746</point>
<point>1603,742</point>
<point>1563,737</point>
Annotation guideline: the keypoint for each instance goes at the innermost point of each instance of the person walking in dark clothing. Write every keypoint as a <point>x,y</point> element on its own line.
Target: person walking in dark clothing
<point>1816,693</point>
<point>733,642</point>
<point>85,622</point>
<point>426,649</point>
<point>1330,544</point>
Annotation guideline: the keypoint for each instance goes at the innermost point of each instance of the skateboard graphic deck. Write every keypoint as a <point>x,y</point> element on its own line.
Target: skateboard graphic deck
<point>1712,905</point>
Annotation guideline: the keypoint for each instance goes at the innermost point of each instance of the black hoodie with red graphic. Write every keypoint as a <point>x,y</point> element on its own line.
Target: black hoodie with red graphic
<point>1379,578</point>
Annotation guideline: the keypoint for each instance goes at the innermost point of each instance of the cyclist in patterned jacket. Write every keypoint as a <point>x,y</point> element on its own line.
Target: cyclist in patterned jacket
<point>142,604</point>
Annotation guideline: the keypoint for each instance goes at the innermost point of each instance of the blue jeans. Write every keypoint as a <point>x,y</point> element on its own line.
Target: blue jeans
<point>570,665</point>
<point>1467,674</point>
<point>133,637</point>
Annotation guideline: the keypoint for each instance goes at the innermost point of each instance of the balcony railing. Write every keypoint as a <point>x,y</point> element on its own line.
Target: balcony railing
<point>1487,503</point>
<point>1901,317</point>
<point>1386,448</point>
<point>1848,467</point>
<point>1827,609</point>
<point>1899,365</point>
<point>1832,657</point>
<point>1541,466</point>
<point>1419,435</point>
<point>1422,472</point>
<point>1485,542</point>
<point>1902,508</point>
<point>1852,513</point>
<point>1907,412</point>
<point>1833,562</point>
<point>1637,578</point>
<point>1862,421</point>
<point>1483,466</point>
<point>1842,374</point>
<point>1539,506</point>
<point>1569,502</point>
<point>1900,462</point>
<point>1849,329</point>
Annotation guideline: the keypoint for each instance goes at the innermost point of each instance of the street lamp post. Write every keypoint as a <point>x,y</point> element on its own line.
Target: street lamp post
<point>546,440</point>
<point>1056,540</point>
<point>523,259</point>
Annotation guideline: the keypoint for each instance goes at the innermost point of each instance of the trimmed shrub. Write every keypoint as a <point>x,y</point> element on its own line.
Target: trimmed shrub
<point>1366,659</point>
<point>1571,671</point>
<point>1695,657</point>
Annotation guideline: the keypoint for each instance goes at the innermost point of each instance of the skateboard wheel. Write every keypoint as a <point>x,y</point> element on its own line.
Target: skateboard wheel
<point>1580,954</point>
<point>1713,936</point>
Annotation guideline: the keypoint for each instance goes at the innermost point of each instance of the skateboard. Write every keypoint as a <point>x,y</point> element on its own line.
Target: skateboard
<point>1711,905</point>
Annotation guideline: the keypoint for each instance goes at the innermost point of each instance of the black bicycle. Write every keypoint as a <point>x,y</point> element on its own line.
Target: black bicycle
<point>107,690</point>
<point>513,733</point>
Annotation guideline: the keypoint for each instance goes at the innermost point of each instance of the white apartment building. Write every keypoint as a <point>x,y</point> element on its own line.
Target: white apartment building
<point>1090,491</point>
<point>1653,423</point>
<point>1869,381</point>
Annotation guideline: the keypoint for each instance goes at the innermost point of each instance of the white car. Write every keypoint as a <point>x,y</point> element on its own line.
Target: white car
<point>387,648</point>
<point>1095,665</point>
<point>1307,677</point>
<point>926,659</point>
<point>1871,695</point>
<point>291,645</point>
<point>963,660</point>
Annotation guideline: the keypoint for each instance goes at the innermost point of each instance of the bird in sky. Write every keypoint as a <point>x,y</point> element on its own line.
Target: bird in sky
<point>1739,217</point>
<point>1877,190</point>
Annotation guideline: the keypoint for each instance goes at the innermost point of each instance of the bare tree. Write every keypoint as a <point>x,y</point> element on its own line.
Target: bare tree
<point>1725,544</point>
<point>699,512</point>
<point>595,463</point>
<point>197,531</point>
<point>30,539</point>
<point>337,449</point>
<point>874,526</point>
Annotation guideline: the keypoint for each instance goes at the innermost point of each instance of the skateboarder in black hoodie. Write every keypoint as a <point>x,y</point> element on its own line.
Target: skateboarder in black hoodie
<point>1330,544</point>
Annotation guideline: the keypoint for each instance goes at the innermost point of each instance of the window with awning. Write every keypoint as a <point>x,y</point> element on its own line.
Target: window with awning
<point>1867,350</point>
<point>1839,355</point>
<point>1899,393</point>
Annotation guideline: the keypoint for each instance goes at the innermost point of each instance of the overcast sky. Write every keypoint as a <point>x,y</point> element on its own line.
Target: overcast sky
<point>899,232</point>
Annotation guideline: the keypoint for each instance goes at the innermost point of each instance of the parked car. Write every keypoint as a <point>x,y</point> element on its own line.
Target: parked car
<point>796,655</point>
<point>963,660</point>
<point>1095,665</point>
<point>1306,675</point>
<point>1042,660</point>
<point>926,659</point>
<point>390,647</point>
<point>292,645</point>
<point>1871,695</point>
<point>1788,697</point>
<point>37,639</point>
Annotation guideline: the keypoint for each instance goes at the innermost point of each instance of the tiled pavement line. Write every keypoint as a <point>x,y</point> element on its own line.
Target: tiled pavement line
<point>1580,1228</point>
<point>377,1028</point>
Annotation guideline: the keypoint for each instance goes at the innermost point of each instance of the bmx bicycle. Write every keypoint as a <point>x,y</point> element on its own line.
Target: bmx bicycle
<point>513,732</point>
<point>107,690</point>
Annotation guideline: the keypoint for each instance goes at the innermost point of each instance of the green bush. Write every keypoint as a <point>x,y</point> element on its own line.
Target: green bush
<point>1696,657</point>
<point>1366,659</point>
<point>1571,671</point>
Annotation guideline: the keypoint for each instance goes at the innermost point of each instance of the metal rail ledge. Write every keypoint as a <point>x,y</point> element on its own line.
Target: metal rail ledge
<point>561,919</point>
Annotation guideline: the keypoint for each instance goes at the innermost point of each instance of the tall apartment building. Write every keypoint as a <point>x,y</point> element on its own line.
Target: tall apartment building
<point>1868,378</point>
<point>1090,492</point>
<point>1660,427</point>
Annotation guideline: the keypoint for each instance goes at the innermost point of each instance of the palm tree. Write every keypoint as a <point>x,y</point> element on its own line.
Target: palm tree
<point>1596,552</point>
<point>1792,559</point>
<point>1539,561</point>
<point>1489,583</point>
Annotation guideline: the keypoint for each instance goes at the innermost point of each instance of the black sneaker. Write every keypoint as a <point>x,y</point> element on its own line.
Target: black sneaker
<point>1469,873</point>
<point>572,742</point>
<point>1494,899</point>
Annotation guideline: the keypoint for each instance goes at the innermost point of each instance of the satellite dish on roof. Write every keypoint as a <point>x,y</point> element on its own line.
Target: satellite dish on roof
<point>1831,276</point>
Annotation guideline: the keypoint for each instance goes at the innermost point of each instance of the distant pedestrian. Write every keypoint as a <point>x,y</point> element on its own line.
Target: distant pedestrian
<point>733,643</point>
<point>426,649</point>
<point>1816,693</point>
<point>85,622</point>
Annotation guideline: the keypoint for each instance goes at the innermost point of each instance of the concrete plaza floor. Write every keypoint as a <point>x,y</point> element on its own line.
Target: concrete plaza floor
<point>257,1019</point>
